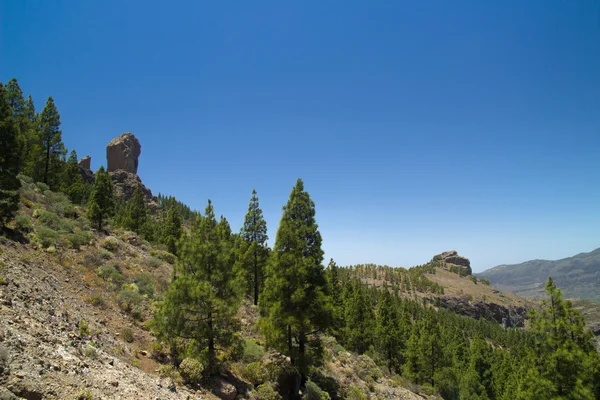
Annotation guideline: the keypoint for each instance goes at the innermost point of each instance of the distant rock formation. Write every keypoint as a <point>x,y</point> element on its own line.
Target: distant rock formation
<point>85,168</point>
<point>452,257</point>
<point>86,162</point>
<point>123,152</point>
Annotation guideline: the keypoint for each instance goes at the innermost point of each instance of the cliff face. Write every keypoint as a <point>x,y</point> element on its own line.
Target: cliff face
<point>508,316</point>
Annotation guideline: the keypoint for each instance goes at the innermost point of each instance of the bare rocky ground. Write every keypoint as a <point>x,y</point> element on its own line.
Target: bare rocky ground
<point>43,353</point>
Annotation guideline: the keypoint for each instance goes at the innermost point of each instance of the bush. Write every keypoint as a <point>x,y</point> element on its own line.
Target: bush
<point>354,393</point>
<point>128,300</point>
<point>79,239</point>
<point>23,223</point>
<point>25,179</point>
<point>42,187</point>
<point>153,262</point>
<point>48,219</point>
<point>110,243</point>
<point>105,254</point>
<point>366,367</point>
<point>255,373</point>
<point>164,256</point>
<point>92,261</point>
<point>90,352</point>
<point>46,237</point>
<point>314,392</point>
<point>84,329</point>
<point>145,283</point>
<point>473,278</point>
<point>266,391</point>
<point>252,351</point>
<point>110,273</point>
<point>97,300</point>
<point>59,203</point>
<point>191,370</point>
<point>127,335</point>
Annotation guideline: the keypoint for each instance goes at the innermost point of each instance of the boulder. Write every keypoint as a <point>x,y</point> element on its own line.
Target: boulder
<point>86,162</point>
<point>123,153</point>
<point>87,175</point>
<point>223,389</point>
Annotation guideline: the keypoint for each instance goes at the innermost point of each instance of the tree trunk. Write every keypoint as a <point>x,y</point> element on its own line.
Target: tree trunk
<point>47,164</point>
<point>255,277</point>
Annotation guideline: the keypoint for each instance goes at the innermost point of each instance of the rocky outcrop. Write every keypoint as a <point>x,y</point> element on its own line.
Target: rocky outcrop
<point>452,257</point>
<point>507,316</point>
<point>124,184</point>
<point>86,162</point>
<point>123,153</point>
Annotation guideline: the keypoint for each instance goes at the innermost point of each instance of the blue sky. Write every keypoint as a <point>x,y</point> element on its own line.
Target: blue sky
<point>417,127</point>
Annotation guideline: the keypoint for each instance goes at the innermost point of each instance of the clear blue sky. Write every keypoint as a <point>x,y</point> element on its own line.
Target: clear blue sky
<point>417,126</point>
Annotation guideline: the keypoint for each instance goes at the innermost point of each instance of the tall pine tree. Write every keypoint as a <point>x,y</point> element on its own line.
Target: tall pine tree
<point>172,229</point>
<point>255,251</point>
<point>101,205</point>
<point>198,311</point>
<point>51,141</point>
<point>10,161</point>
<point>294,302</point>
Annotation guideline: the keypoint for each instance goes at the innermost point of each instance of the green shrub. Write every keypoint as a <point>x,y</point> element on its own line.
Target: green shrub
<point>97,300</point>
<point>252,351</point>
<point>105,254</point>
<point>59,203</point>
<point>354,393</point>
<point>110,243</point>
<point>92,261</point>
<point>266,391</point>
<point>365,367</point>
<point>473,278</point>
<point>314,392</point>
<point>169,371</point>
<point>128,300</point>
<point>84,329</point>
<point>153,262</point>
<point>164,256</point>
<point>79,239</point>
<point>256,373</point>
<point>46,236</point>
<point>145,283</point>
<point>127,335</point>
<point>23,223</point>
<point>191,370</point>
<point>42,187</point>
<point>83,224</point>
<point>25,180</point>
<point>90,352</point>
<point>85,395</point>
<point>48,219</point>
<point>111,273</point>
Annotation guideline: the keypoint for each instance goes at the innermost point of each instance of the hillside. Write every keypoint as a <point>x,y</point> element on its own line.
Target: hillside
<point>577,276</point>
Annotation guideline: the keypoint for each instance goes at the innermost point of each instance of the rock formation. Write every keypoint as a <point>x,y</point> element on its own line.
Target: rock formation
<point>452,257</point>
<point>124,184</point>
<point>86,162</point>
<point>123,152</point>
<point>85,168</point>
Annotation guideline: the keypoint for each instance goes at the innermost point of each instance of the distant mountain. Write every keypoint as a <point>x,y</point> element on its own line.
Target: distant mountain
<point>577,276</point>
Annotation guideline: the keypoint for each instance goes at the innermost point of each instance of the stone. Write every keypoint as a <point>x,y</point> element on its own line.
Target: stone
<point>223,389</point>
<point>123,153</point>
<point>86,162</point>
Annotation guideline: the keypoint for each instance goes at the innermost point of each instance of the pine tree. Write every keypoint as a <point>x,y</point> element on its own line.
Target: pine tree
<point>359,317</point>
<point>199,307</point>
<point>335,290</point>
<point>102,203</point>
<point>136,215</point>
<point>294,301</point>
<point>10,162</point>
<point>388,332</point>
<point>72,182</point>
<point>424,351</point>
<point>254,251</point>
<point>565,358</point>
<point>51,137</point>
<point>172,230</point>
